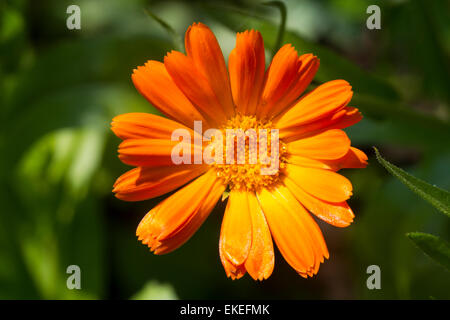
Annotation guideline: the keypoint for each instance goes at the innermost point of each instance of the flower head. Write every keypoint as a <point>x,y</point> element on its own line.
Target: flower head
<point>265,109</point>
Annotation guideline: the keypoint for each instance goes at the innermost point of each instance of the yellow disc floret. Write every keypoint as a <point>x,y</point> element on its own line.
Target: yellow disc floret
<point>253,156</point>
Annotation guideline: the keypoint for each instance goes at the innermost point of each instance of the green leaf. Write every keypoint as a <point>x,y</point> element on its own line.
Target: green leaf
<point>436,248</point>
<point>438,197</point>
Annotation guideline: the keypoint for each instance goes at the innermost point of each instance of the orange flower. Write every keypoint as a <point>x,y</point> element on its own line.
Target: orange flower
<point>198,86</point>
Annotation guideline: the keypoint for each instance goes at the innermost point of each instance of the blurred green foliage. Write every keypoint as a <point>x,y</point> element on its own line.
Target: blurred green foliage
<point>60,88</point>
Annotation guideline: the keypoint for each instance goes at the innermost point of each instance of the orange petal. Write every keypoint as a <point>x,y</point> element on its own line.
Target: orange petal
<point>329,97</point>
<point>279,77</point>
<point>152,152</point>
<point>305,73</point>
<point>295,232</point>
<point>308,162</point>
<point>179,238</point>
<point>354,158</point>
<point>331,144</point>
<point>247,64</point>
<point>349,118</point>
<point>261,259</point>
<point>338,214</point>
<point>287,77</point>
<point>236,232</point>
<point>144,183</point>
<point>195,86</point>
<point>155,84</point>
<point>232,271</point>
<point>341,119</point>
<point>323,184</point>
<point>170,216</point>
<point>202,46</point>
<point>144,125</point>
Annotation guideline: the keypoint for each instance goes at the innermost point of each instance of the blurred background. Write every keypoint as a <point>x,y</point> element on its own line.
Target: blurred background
<point>60,88</point>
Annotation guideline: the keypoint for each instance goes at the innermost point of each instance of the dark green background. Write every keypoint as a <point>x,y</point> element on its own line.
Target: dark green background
<point>60,88</point>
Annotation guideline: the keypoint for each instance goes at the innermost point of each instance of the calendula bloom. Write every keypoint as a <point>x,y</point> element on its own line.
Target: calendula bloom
<point>198,86</point>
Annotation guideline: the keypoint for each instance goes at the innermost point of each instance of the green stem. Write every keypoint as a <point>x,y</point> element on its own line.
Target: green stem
<point>176,38</point>
<point>283,12</point>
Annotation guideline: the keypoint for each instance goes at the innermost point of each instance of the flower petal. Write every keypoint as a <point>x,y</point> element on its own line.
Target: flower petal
<point>232,271</point>
<point>349,118</point>
<point>326,99</point>
<point>202,46</point>
<point>323,184</point>
<point>279,77</point>
<point>261,258</point>
<point>337,214</point>
<point>144,125</point>
<point>295,232</point>
<point>354,158</point>
<point>331,144</point>
<point>144,183</point>
<point>156,85</point>
<point>247,65</point>
<point>195,86</point>
<point>188,230</point>
<point>287,78</point>
<point>174,213</point>
<point>341,119</point>
<point>308,162</point>
<point>236,232</point>
<point>152,152</point>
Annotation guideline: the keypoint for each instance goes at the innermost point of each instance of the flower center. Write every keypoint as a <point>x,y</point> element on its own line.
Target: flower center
<point>252,156</point>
